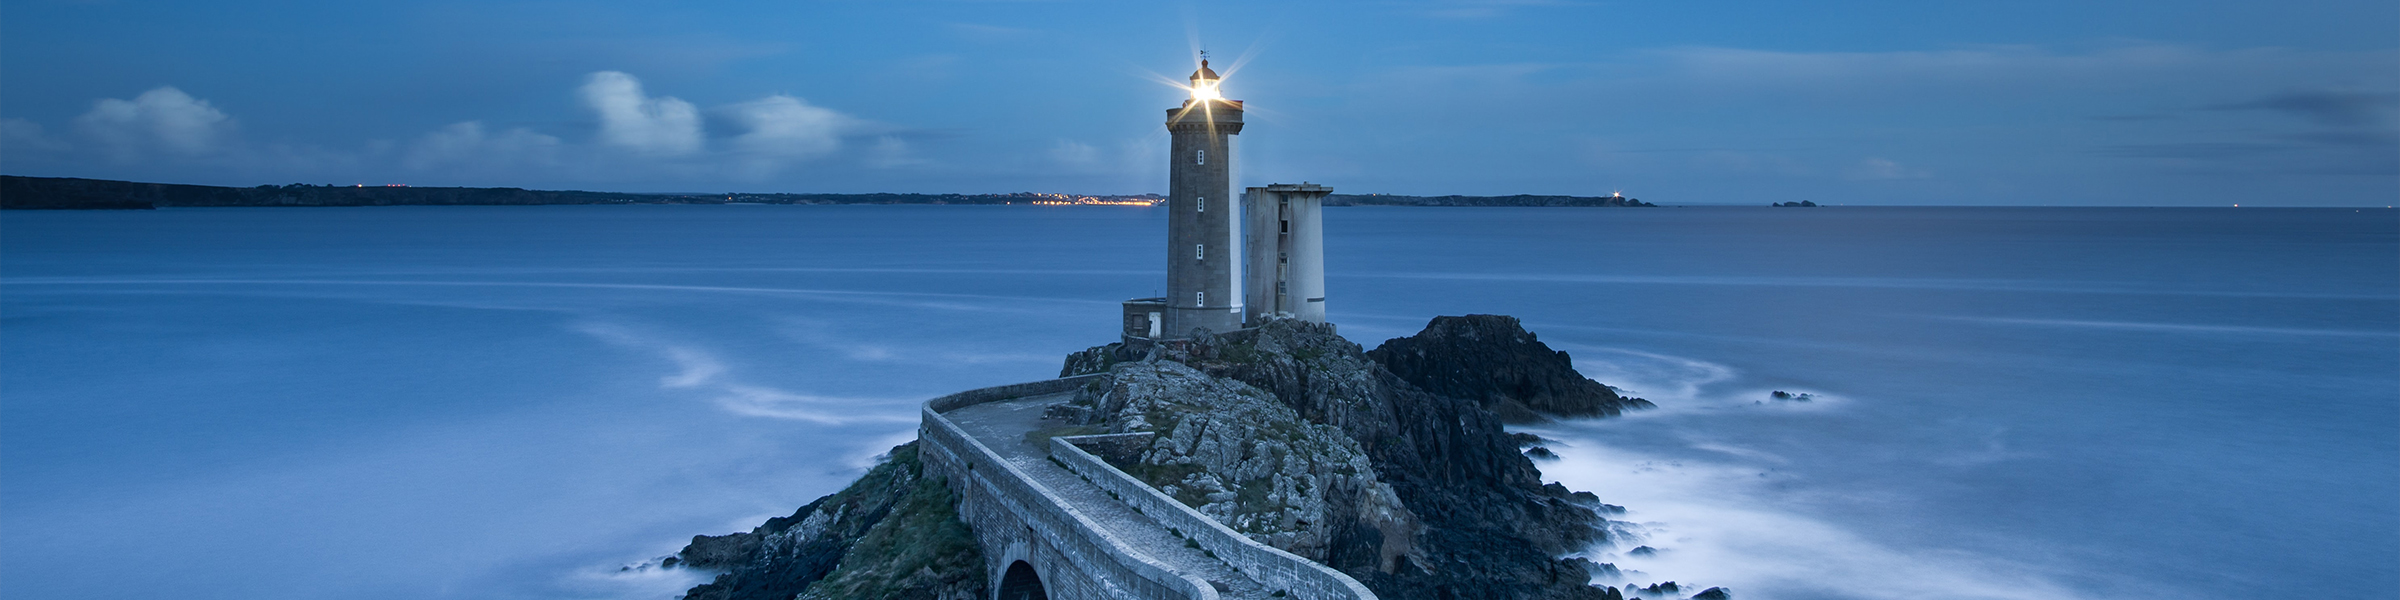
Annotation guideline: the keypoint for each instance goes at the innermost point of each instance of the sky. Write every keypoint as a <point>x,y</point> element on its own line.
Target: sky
<point>2031,102</point>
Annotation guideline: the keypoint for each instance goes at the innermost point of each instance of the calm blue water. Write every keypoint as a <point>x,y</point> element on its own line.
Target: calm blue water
<point>488,402</point>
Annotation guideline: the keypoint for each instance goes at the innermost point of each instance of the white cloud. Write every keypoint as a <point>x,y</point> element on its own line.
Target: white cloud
<point>663,125</point>
<point>467,144</point>
<point>788,128</point>
<point>164,118</point>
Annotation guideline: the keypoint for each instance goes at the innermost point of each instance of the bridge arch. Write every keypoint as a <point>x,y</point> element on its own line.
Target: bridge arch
<point>1021,583</point>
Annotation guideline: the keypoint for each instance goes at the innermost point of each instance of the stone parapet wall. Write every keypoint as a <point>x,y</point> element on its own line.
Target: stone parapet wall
<point>1301,578</point>
<point>1014,518</point>
<point>1008,392</point>
<point>1121,447</point>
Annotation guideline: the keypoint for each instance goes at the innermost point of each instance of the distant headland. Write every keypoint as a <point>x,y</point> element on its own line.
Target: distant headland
<point>19,192</point>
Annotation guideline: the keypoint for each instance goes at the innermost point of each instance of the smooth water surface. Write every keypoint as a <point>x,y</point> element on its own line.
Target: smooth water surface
<point>518,402</point>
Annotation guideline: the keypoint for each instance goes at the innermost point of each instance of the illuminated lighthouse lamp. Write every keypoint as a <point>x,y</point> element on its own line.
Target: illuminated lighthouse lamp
<point>1204,84</point>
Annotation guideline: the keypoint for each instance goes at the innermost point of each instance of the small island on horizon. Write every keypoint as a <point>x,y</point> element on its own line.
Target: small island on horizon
<point>68,193</point>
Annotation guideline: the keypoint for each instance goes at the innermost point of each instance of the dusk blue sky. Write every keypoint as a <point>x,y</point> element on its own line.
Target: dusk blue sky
<point>2022,102</point>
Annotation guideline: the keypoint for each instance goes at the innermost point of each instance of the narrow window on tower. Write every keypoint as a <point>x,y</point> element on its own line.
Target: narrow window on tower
<point>1203,204</point>
<point>1199,251</point>
<point>1199,298</point>
<point>1203,156</point>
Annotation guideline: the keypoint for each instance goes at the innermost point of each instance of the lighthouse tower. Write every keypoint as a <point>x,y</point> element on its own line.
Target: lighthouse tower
<point>1203,256</point>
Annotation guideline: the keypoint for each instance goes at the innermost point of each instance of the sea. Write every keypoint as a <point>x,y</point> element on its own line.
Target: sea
<point>539,402</point>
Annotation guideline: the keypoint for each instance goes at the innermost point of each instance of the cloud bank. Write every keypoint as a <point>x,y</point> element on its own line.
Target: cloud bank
<point>631,120</point>
<point>162,119</point>
<point>632,135</point>
<point>2140,123</point>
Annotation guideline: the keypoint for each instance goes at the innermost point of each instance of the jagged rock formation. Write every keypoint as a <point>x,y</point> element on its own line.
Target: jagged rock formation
<point>1243,458</point>
<point>1488,527</point>
<point>1287,433</point>
<point>892,534</point>
<point>1494,361</point>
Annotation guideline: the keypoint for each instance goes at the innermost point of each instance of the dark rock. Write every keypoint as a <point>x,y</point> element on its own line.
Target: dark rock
<point>1096,359</point>
<point>894,533</point>
<point>1242,457</point>
<point>1605,571</point>
<point>1714,593</point>
<point>720,551</point>
<point>1526,439</point>
<point>1662,588</point>
<point>1540,453</point>
<point>1643,551</point>
<point>1489,528</point>
<point>1492,361</point>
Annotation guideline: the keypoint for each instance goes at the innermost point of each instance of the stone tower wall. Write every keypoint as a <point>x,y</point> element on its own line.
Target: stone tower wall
<point>1203,256</point>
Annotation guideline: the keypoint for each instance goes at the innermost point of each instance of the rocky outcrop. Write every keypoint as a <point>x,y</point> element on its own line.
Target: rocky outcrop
<point>1241,457</point>
<point>1494,361</point>
<point>894,533</point>
<point>1286,433</point>
<point>1487,526</point>
<point>1097,359</point>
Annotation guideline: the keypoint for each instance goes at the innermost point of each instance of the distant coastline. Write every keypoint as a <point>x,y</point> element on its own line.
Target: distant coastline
<point>66,193</point>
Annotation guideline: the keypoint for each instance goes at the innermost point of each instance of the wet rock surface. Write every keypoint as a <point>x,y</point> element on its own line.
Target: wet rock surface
<point>894,533</point>
<point>1287,433</point>
<point>1240,456</point>
<point>1488,527</point>
<point>1494,361</point>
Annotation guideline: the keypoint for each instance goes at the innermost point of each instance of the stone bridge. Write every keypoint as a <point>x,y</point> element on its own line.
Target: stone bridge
<point>1057,522</point>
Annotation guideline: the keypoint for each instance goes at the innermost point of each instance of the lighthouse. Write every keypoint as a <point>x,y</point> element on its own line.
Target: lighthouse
<point>1203,255</point>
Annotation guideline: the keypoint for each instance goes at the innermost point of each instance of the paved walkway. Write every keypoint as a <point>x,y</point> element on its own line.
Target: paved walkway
<point>1002,427</point>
